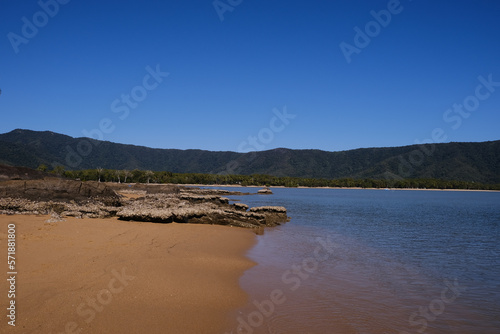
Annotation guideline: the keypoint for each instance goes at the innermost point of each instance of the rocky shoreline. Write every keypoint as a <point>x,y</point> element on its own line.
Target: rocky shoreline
<point>137,202</point>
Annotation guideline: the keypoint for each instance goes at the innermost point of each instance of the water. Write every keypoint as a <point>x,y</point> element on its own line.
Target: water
<point>375,261</point>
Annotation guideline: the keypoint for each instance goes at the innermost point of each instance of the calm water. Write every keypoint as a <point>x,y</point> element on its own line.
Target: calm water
<point>375,261</point>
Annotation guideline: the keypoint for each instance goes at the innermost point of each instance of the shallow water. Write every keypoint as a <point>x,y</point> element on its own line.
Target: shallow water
<point>375,261</point>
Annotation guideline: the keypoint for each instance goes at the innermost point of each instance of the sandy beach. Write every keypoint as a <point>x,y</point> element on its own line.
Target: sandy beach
<point>112,276</point>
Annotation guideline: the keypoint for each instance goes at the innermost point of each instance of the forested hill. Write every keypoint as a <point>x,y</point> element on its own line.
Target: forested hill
<point>477,162</point>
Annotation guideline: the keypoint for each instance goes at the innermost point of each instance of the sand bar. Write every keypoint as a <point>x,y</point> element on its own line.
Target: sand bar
<point>111,276</point>
<point>302,187</point>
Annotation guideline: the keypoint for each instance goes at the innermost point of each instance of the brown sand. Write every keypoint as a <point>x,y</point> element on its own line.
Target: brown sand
<point>111,276</point>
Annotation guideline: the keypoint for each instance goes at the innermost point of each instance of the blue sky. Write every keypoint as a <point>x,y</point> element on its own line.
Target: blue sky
<point>229,79</point>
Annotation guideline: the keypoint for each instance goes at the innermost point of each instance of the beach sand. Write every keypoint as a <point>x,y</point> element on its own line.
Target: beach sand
<point>111,276</point>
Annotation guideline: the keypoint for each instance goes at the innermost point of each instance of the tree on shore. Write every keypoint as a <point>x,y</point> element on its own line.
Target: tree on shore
<point>42,168</point>
<point>141,176</point>
<point>149,174</point>
<point>59,170</point>
<point>118,174</point>
<point>99,173</point>
<point>126,174</point>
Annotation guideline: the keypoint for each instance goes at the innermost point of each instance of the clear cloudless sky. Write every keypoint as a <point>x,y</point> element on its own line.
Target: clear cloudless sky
<point>227,76</point>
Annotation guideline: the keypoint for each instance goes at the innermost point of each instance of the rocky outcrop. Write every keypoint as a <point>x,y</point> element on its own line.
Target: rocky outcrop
<point>62,198</point>
<point>240,206</point>
<point>22,173</point>
<point>198,209</point>
<point>265,191</point>
<point>90,209</point>
<point>274,214</point>
<point>204,198</point>
<point>59,190</point>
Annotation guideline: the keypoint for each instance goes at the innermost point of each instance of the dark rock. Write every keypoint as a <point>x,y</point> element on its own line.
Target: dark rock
<point>275,215</point>
<point>59,190</point>
<point>21,173</point>
<point>241,206</point>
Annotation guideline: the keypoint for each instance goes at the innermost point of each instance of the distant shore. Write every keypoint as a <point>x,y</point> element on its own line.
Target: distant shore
<point>300,187</point>
<point>112,276</point>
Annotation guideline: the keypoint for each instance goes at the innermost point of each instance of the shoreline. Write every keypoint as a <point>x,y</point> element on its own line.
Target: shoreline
<point>96,275</point>
<point>301,187</point>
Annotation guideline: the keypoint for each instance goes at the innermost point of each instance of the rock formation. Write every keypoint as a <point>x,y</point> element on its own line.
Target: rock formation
<point>161,203</point>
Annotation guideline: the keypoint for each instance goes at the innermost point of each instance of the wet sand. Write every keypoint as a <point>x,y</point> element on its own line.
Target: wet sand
<point>111,276</point>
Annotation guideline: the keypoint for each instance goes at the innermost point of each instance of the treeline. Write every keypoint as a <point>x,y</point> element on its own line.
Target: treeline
<point>147,176</point>
<point>472,162</point>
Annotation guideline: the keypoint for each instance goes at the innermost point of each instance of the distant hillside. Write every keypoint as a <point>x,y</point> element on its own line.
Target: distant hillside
<point>477,162</point>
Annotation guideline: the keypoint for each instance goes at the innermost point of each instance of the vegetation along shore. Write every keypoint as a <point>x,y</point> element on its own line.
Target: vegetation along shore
<point>258,180</point>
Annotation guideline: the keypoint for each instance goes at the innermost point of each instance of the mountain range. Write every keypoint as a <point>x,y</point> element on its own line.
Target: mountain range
<point>463,161</point>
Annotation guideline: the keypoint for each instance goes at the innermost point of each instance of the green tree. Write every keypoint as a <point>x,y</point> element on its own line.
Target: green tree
<point>59,170</point>
<point>42,168</point>
<point>137,175</point>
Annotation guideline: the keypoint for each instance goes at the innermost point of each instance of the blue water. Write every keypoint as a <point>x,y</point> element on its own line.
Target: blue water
<point>398,262</point>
